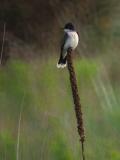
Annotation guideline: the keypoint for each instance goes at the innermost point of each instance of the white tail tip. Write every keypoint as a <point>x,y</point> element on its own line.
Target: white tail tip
<point>58,65</point>
<point>61,65</point>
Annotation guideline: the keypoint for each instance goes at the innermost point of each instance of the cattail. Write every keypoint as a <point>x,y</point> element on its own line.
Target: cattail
<point>76,99</point>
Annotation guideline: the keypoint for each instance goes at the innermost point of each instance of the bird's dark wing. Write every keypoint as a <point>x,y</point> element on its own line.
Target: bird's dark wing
<point>62,59</point>
<point>63,41</point>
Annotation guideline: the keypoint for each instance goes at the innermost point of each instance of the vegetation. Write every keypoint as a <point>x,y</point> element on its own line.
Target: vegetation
<point>48,124</point>
<point>37,119</point>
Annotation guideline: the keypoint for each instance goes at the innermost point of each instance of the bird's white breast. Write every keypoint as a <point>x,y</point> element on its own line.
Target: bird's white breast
<point>72,40</point>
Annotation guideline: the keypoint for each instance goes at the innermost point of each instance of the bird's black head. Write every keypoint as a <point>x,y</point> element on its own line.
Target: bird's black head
<point>69,26</point>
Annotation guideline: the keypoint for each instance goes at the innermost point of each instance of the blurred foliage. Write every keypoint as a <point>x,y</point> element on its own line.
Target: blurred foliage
<point>48,126</point>
<point>40,22</point>
<point>31,84</point>
<point>7,145</point>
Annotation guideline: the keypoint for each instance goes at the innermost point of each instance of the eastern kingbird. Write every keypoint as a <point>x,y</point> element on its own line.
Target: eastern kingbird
<point>70,40</point>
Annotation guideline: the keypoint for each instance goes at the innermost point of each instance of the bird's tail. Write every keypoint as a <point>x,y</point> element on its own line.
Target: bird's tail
<point>62,63</point>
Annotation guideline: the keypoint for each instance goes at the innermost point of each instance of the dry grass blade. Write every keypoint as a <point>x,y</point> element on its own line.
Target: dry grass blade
<point>3,41</point>
<point>19,127</point>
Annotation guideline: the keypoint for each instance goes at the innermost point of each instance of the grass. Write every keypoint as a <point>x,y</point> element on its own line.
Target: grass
<point>48,124</point>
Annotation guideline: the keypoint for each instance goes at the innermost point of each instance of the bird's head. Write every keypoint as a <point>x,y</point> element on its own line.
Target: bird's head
<point>69,27</point>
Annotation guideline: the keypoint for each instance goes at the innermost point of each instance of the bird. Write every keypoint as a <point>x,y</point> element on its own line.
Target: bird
<point>70,41</point>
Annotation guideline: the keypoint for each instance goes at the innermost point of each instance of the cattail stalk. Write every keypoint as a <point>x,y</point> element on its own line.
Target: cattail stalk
<point>76,99</point>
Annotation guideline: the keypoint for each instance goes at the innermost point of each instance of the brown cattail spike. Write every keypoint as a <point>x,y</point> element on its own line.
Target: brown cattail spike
<point>76,98</point>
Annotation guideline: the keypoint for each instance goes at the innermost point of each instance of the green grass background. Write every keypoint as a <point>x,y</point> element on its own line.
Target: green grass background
<point>48,128</point>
